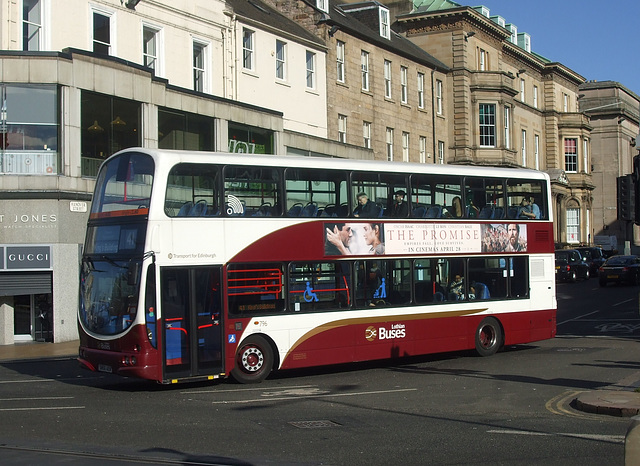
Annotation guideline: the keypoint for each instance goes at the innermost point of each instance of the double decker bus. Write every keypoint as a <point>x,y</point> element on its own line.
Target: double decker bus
<point>204,265</point>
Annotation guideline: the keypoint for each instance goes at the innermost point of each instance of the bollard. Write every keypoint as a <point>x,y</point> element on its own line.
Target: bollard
<point>632,443</point>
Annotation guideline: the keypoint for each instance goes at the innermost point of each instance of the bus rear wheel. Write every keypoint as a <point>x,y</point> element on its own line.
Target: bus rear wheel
<point>488,337</point>
<point>254,360</point>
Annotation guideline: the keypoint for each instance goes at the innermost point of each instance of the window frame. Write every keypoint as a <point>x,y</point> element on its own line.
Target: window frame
<point>420,86</point>
<point>340,61</point>
<point>387,78</point>
<point>110,18</point>
<point>281,60</point>
<point>248,49</point>
<point>570,158</point>
<point>487,129</point>
<point>310,65</point>
<point>404,90</point>
<point>364,69</point>
<point>29,23</point>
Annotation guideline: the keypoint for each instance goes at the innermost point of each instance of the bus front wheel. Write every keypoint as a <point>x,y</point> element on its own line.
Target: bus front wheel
<point>254,360</point>
<point>488,337</point>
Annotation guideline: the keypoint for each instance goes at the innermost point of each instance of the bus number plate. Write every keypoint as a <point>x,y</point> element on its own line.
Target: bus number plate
<point>104,368</point>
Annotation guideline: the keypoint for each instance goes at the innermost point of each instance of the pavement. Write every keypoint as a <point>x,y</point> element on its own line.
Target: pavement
<point>621,399</point>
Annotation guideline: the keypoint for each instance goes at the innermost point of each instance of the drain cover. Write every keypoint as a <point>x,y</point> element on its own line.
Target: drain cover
<point>313,424</point>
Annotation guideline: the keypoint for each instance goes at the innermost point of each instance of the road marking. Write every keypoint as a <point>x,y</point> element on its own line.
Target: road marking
<point>240,390</point>
<point>38,398</point>
<point>42,409</point>
<point>560,405</point>
<point>600,437</point>
<point>26,381</point>
<point>577,318</point>
<point>330,395</point>
<point>623,302</point>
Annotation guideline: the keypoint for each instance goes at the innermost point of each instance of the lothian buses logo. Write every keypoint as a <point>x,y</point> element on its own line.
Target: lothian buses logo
<point>384,333</point>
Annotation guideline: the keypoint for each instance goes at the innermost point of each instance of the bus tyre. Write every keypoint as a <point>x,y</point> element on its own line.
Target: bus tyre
<point>488,337</point>
<point>254,360</point>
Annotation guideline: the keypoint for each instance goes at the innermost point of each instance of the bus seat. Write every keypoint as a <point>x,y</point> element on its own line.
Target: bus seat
<point>434,211</point>
<point>482,292</point>
<point>329,211</point>
<point>419,212</point>
<point>512,212</point>
<point>295,210</point>
<point>498,212</point>
<point>185,209</point>
<point>486,212</point>
<point>264,210</point>
<point>342,211</point>
<point>310,210</point>
<point>199,209</point>
<point>438,296</point>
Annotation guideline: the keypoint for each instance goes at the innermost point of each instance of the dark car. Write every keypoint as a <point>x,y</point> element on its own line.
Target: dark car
<point>593,256</point>
<point>620,269</point>
<point>570,266</point>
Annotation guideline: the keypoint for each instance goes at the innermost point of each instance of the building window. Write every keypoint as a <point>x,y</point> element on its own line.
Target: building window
<point>101,33</point>
<point>439,97</point>
<point>32,25</point>
<point>405,146</point>
<point>403,84</point>
<point>199,66</point>
<point>487,120</point>
<point>482,60</point>
<point>342,128</point>
<point>281,55</point>
<point>364,66</point>
<point>441,152</point>
<point>535,96</point>
<point>323,5</point>
<point>311,70</point>
<point>565,103</point>
<point>248,44</point>
<point>108,124</point>
<point>387,79</point>
<point>29,126</point>
<point>390,144</point>
<point>366,134</point>
<point>536,148</point>
<point>573,225</point>
<point>521,90</point>
<point>184,131</point>
<point>524,148</point>
<point>420,90</point>
<point>571,155</point>
<point>340,73</point>
<point>245,139</point>
<point>150,48</point>
<point>585,156</point>
<point>385,29</point>
<point>507,127</point>
<point>423,149</point>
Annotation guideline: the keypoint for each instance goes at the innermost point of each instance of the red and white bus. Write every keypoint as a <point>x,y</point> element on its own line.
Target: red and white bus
<point>203,265</point>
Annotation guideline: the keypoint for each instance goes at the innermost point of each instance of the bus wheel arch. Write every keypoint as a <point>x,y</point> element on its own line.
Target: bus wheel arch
<point>489,336</point>
<point>254,359</point>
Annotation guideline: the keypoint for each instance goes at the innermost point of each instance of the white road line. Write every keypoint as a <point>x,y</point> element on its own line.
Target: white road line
<point>577,318</point>
<point>26,381</point>
<point>330,395</point>
<point>604,438</point>
<point>38,398</point>
<point>623,302</point>
<point>42,409</point>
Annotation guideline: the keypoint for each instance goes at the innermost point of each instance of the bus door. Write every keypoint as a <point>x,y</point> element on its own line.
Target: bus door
<point>191,321</point>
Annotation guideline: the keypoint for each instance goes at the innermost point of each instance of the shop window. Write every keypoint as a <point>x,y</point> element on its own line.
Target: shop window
<point>250,140</point>
<point>29,130</point>
<point>109,124</point>
<point>185,131</point>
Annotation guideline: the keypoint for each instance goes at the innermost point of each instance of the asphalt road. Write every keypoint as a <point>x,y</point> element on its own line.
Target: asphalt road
<point>452,409</point>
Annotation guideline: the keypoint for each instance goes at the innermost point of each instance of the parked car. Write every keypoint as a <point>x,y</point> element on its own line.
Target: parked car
<point>620,269</point>
<point>593,256</point>
<point>570,266</point>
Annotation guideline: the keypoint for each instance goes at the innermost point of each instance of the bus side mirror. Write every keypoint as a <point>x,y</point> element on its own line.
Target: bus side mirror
<point>133,272</point>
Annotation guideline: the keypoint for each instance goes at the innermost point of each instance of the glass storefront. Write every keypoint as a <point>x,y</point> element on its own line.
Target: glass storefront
<point>245,139</point>
<point>184,131</point>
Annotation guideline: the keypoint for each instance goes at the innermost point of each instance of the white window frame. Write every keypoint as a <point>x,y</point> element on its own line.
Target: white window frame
<point>573,225</point>
<point>522,96</point>
<point>570,159</point>
<point>438,97</point>
<point>248,49</point>
<point>39,26</point>
<point>441,152</point>
<point>342,128</point>
<point>93,10</point>
<point>281,60</point>
<point>405,146</point>
<point>364,68</point>
<point>385,27</point>
<point>585,156</point>
<point>565,103</point>
<point>158,62</point>
<point>524,148</point>
<point>310,65</point>
<point>487,137</point>
<point>423,149</point>
<point>366,134</point>
<point>536,148</point>
<point>507,127</point>
<point>323,5</point>
<point>389,143</point>
<point>535,96</point>
<point>204,70</point>
<point>404,92</point>
<point>387,78</point>
<point>420,86</point>
<point>340,66</point>
<point>482,65</point>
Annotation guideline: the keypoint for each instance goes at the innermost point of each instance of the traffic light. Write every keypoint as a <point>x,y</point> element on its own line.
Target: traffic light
<point>626,198</point>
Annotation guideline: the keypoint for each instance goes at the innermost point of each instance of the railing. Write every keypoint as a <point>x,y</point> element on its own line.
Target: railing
<point>29,162</point>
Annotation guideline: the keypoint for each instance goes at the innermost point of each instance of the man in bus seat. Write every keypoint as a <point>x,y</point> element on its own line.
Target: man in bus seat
<point>400,208</point>
<point>456,288</point>
<point>534,207</point>
<point>365,209</point>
